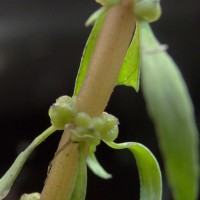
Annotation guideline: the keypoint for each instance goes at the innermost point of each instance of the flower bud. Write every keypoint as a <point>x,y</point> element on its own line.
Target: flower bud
<point>148,10</point>
<point>62,112</point>
<point>82,119</point>
<point>98,123</point>
<point>32,196</point>
<point>110,130</point>
<point>111,135</point>
<point>110,121</point>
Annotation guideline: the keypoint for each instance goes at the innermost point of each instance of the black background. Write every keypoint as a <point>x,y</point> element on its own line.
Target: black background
<point>41,43</point>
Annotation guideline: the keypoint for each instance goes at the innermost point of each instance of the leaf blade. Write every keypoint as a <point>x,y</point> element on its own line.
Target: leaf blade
<point>79,191</point>
<point>149,171</point>
<point>130,71</point>
<point>9,177</point>
<point>87,53</point>
<point>95,166</point>
<point>170,107</point>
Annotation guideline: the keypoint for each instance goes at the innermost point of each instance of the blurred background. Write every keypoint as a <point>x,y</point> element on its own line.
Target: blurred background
<point>41,43</point>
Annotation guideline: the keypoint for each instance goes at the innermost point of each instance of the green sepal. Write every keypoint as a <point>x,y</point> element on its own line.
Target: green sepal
<point>149,171</point>
<point>171,109</point>
<point>130,71</point>
<point>9,177</point>
<point>87,53</point>
<point>95,166</point>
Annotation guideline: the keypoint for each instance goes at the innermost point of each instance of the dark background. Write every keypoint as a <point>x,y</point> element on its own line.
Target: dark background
<point>41,43</point>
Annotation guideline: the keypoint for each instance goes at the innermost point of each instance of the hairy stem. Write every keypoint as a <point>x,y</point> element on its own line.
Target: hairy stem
<point>94,95</point>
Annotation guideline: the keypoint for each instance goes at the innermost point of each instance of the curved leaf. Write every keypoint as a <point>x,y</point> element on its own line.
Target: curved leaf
<point>7,180</point>
<point>149,171</point>
<point>130,71</point>
<point>171,109</point>
<point>87,53</point>
<point>95,166</point>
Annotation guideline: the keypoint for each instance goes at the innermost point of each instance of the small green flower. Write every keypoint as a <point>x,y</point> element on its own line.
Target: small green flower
<point>82,119</point>
<point>63,112</point>
<point>110,130</point>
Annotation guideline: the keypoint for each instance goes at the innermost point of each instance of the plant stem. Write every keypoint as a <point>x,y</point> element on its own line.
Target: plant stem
<point>107,60</point>
<point>94,95</point>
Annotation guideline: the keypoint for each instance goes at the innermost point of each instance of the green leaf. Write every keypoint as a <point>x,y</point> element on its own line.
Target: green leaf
<point>95,16</point>
<point>95,166</point>
<point>87,53</point>
<point>149,171</point>
<point>130,71</point>
<point>171,109</point>
<point>81,180</point>
<point>8,179</point>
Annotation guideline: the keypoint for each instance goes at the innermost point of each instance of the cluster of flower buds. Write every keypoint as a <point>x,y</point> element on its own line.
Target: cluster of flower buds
<point>85,128</point>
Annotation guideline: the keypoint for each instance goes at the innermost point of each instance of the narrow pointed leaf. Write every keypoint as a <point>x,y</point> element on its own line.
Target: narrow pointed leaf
<point>149,171</point>
<point>130,71</point>
<point>7,180</point>
<point>81,180</point>
<point>95,16</point>
<point>95,166</point>
<point>171,109</point>
<point>87,53</point>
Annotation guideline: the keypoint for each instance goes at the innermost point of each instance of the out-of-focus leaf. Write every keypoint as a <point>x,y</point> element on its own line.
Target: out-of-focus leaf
<point>95,166</point>
<point>149,171</point>
<point>171,109</point>
<point>87,53</point>
<point>130,71</point>
<point>8,179</point>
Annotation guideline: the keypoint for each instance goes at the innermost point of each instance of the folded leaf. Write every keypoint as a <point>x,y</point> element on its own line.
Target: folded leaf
<point>130,71</point>
<point>87,53</point>
<point>7,180</point>
<point>95,166</point>
<point>149,171</point>
<point>171,109</point>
